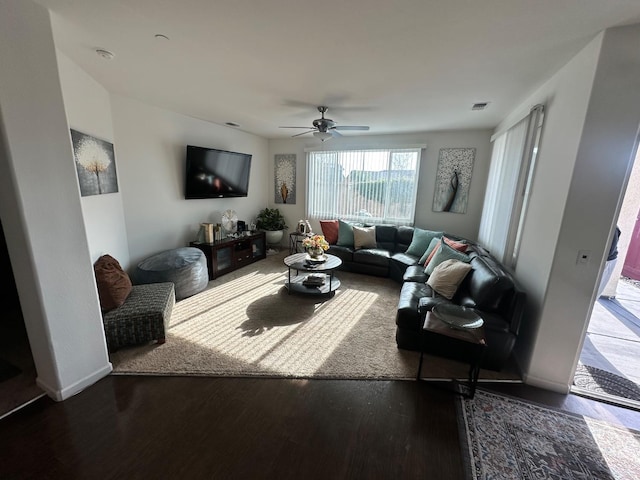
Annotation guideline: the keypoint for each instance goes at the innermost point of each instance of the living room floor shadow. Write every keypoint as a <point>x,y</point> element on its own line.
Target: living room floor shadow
<point>279,310</point>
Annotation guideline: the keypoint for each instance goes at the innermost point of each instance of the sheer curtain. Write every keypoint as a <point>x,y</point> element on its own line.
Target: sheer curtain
<point>369,186</point>
<point>510,176</point>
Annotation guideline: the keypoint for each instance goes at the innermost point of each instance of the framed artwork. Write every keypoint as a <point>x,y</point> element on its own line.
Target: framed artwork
<point>285,178</point>
<point>453,178</point>
<point>95,164</point>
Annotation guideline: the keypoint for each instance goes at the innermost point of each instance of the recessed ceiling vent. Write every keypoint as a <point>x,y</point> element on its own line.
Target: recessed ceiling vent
<point>479,106</point>
<point>106,54</point>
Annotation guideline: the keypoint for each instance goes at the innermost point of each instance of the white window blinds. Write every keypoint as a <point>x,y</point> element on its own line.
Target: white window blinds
<point>510,177</point>
<point>372,186</point>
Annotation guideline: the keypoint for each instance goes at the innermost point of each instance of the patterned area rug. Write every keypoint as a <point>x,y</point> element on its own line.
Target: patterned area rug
<point>600,381</point>
<point>505,438</point>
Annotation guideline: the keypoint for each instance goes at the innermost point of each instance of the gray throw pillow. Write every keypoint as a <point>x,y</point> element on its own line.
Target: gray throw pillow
<point>420,241</point>
<point>345,234</point>
<point>434,243</point>
<point>445,253</point>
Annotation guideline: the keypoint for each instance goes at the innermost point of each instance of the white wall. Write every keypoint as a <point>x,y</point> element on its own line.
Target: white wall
<point>150,144</point>
<point>588,144</point>
<point>465,225</point>
<point>88,108</point>
<point>41,211</point>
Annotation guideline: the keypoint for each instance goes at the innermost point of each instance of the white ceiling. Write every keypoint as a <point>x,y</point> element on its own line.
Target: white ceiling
<point>397,66</point>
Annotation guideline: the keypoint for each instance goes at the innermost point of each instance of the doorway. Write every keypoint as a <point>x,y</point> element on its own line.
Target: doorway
<point>17,370</point>
<point>609,364</point>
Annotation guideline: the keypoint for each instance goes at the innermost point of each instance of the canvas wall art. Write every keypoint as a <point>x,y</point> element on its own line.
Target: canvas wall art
<point>285,178</point>
<point>453,178</point>
<point>95,164</point>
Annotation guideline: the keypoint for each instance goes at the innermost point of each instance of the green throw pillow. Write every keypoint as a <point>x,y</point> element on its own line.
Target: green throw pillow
<point>345,234</point>
<point>434,243</point>
<point>445,253</point>
<point>420,241</point>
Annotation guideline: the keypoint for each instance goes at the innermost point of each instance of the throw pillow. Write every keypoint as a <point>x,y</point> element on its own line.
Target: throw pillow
<point>445,253</point>
<point>420,241</point>
<point>447,277</point>
<point>114,285</point>
<point>364,237</point>
<point>459,246</point>
<point>435,242</point>
<point>345,234</point>
<point>330,230</point>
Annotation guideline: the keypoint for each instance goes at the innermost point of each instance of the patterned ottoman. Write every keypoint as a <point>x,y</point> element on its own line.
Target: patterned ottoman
<point>185,267</point>
<point>143,317</point>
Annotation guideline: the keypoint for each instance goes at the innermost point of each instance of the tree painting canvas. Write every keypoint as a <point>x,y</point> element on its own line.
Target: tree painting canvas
<point>285,178</point>
<point>453,178</point>
<point>95,164</point>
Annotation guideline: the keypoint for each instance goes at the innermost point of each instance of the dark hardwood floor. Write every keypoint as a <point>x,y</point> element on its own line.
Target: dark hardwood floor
<point>197,427</point>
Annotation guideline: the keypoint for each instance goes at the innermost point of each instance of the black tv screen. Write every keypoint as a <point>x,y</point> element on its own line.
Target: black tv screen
<point>215,173</point>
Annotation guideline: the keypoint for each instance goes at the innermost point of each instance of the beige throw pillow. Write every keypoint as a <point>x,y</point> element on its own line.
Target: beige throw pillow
<point>364,237</point>
<point>447,277</point>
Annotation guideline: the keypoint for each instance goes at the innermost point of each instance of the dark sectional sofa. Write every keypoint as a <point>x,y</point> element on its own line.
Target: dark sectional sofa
<point>488,288</point>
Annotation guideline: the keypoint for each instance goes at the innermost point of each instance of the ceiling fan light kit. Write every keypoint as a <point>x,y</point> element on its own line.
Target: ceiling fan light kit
<point>322,135</point>
<point>325,128</point>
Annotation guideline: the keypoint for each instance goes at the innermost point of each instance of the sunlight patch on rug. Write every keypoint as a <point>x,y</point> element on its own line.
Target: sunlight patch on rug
<point>283,345</point>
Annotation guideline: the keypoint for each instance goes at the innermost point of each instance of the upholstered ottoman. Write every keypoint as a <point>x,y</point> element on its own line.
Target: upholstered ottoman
<point>185,267</point>
<point>144,316</point>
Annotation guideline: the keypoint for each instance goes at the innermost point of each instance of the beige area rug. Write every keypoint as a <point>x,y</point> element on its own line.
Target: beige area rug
<point>246,324</point>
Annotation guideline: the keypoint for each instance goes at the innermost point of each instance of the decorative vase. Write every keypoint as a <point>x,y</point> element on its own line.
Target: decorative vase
<point>315,252</point>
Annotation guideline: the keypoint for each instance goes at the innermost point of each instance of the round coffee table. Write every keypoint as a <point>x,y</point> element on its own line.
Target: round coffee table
<point>308,270</point>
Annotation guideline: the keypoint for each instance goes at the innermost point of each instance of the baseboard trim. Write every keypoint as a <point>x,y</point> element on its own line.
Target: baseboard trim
<point>60,395</point>
<point>546,384</point>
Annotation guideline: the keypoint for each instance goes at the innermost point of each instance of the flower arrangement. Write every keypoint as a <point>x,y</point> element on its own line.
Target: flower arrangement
<point>315,242</point>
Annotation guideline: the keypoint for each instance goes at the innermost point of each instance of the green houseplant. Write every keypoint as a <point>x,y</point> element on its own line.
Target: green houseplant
<point>273,223</point>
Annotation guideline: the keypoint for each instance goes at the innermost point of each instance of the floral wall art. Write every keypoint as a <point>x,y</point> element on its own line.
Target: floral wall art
<point>285,178</point>
<point>455,167</point>
<point>95,164</point>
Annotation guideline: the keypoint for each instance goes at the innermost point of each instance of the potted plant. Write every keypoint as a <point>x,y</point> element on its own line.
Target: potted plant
<point>273,223</point>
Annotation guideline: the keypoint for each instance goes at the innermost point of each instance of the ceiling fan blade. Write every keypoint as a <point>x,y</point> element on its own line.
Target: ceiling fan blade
<point>335,133</point>
<point>303,133</point>
<point>351,127</point>
<point>295,127</point>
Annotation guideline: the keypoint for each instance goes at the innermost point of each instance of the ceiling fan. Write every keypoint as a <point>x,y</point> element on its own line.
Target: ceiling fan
<point>325,128</point>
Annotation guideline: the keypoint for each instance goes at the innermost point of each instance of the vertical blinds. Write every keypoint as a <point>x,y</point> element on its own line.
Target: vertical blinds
<point>372,186</point>
<point>510,176</point>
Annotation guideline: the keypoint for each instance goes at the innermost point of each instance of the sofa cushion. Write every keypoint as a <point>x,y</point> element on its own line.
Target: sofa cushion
<point>415,273</point>
<point>445,253</point>
<point>460,246</point>
<point>489,283</point>
<point>420,241</point>
<point>364,237</point>
<point>447,277</point>
<point>404,235</point>
<point>344,253</point>
<point>330,230</point>
<point>114,285</point>
<point>372,256</point>
<point>345,234</point>
<point>386,237</point>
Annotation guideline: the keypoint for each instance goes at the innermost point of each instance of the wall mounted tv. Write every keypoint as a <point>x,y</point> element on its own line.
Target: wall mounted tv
<point>215,173</point>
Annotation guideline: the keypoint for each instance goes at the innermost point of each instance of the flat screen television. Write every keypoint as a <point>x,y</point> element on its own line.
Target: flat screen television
<point>213,173</point>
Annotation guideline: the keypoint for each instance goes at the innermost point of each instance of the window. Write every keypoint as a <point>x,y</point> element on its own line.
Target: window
<point>509,185</point>
<point>372,186</point>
